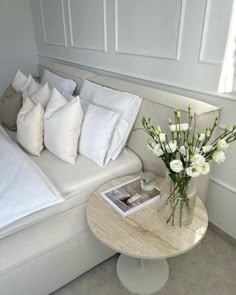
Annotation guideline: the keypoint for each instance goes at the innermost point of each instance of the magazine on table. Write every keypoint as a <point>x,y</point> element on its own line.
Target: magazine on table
<point>129,197</point>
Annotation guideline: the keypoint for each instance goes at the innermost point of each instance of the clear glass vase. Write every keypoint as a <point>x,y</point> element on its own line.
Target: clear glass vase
<point>177,200</point>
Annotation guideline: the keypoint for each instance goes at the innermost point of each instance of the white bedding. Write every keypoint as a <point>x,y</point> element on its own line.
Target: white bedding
<point>76,183</point>
<point>23,188</point>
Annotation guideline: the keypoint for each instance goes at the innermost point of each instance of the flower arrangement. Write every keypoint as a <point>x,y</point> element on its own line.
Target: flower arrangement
<point>186,155</point>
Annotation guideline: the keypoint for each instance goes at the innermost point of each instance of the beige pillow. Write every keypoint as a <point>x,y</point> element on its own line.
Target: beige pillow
<point>10,104</point>
<point>62,125</point>
<point>30,127</point>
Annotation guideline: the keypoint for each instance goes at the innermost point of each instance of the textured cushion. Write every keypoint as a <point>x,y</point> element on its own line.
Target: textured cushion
<point>65,86</point>
<point>96,134</point>
<point>62,122</point>
<point>42,96</point>
<point>126,104</point>
<point>32,88</point>
<point>10,104</point>
<point>30,127</point>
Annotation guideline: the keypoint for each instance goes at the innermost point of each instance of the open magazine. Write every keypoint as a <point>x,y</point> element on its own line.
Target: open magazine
<point>128,197</point>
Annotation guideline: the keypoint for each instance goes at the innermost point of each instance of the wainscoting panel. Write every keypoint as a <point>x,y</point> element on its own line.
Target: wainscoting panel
<point>163,20</point>
<point>215,28</point>
<point>91,15</point>
<point>53,21</point>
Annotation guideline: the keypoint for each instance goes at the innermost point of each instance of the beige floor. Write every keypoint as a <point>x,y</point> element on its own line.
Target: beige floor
<point>209,269</point>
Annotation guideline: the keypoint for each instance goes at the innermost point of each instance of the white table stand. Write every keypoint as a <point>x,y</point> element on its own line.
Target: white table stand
<point>142,276</point>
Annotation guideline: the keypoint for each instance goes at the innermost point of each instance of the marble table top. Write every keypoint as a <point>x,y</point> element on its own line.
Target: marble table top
<point>142,234</point>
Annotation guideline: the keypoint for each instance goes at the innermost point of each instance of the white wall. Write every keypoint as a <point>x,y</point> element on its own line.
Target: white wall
<point>177,44</point>
<point>17,41</point>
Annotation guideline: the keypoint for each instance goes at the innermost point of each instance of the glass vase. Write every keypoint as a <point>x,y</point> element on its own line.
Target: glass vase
<point>177,200</point>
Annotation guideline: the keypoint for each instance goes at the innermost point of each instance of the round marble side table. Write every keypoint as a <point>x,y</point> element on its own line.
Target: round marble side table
<point>143,241</point>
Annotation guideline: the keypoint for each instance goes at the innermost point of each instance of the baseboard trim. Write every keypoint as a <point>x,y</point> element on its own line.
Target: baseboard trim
<point>225,236</point>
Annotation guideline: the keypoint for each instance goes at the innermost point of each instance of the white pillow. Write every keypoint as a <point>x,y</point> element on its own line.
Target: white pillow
<point>126,104</point>
<point>21,82</point>
<point>32,88</point>
<point>65,86</point>
<point>62,126</point>
<point>96,133</point>
<point>30,127</point>
<point>42,96</point>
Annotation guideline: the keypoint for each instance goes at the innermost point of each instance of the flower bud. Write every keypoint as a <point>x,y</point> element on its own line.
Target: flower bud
<point>178,114</point>
<point>170,122</point>
<point>229,128</point>
<point>158,129</point>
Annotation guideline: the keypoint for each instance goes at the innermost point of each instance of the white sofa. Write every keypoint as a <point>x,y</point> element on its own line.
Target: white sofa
<point>48,249</point>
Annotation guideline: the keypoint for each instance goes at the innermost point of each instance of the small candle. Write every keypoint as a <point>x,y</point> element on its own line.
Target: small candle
<point>147,181</point>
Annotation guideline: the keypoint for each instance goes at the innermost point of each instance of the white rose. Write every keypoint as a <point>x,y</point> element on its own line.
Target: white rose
<point>171,146</point>
<point>176,166</point>
<point>201,137</point>
<point>222,145</point>
<point>206,148</point>
<point>204,169</point>
<point>157,150</point>
<point>218,156</point>
<point>162,137</point>
<point>197,160</point>
<point>179,127</point>
<point>192,171</point>
<point>182,150</point>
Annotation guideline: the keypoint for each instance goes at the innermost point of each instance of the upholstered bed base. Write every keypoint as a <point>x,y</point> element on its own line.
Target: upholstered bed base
<point>54,267</point>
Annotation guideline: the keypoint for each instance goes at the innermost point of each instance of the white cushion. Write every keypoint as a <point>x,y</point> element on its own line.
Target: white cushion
<point>126,104</point>
<point>30,127</point>
<point>32,88</point>
<point>96,134</point>
<point>65,86</point>
<point>42,96</point>
<point>62,123</point>
<point>21,82</point>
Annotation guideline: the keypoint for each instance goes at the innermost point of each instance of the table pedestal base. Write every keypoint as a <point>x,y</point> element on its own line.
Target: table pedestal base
<point>140,276</point>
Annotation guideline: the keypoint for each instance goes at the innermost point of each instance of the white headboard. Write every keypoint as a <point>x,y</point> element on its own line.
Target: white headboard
<point>74,73</point>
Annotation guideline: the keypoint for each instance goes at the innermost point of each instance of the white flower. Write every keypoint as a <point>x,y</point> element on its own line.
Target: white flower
<point>182,150</point>
<point>218,156</point>
<point>179,127</point>
<point>201,137</point>
<point>157,150</point>
<point>192,171</point>
<point>162,137</point>
<point>171,146</point>
<point>197,150</point>
<point>204,169</point>
<point>222,145</point>
<point>176,166</point>
<point>206,148</point>
<point>197,160</point>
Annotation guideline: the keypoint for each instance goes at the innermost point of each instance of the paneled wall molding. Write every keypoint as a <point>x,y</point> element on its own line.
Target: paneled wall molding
<point>73,43</point>
<point>202,59</point>
<point>223,184</point>
<point>169,84</point>
<point>46,41</point>
<point>154,54</point>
